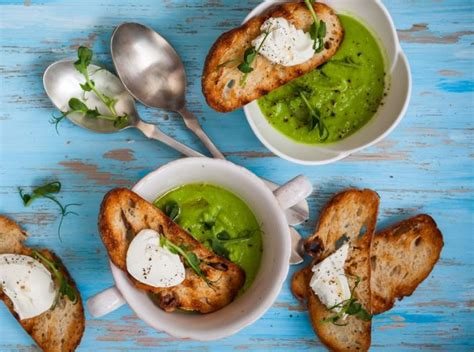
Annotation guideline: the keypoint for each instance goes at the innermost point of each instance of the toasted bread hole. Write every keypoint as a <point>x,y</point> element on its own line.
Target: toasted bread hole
<point>132,203</point>
<point>417,241</point>
<point>395,271</point>
<point>359,211</point>
<point>373,262</point>
<point>343,239</point>
<point>128,229</point>
<point>219,266</point>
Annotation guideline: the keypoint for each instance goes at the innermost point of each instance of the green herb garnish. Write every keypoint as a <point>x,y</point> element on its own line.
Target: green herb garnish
<point>315,119</point>
<point>78,106</point>
<point>349,307</point>
<point>48,191</point>
<point>249,57</point>
<point>317,30</point>
<point>218,243</point>
<point>218,247</point>
<point>223,236</point>
<point>346,61</point>
<point>172,210</point>
<point>190,257</point>
<point>62,282</point>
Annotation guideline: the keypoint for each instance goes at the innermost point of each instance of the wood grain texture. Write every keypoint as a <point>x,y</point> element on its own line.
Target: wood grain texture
<point>425,165</point>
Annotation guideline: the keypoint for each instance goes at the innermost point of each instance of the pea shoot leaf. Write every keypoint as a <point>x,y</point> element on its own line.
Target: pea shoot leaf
<point>64,288</point>
<point>348,307</point>
<point>48,191</point>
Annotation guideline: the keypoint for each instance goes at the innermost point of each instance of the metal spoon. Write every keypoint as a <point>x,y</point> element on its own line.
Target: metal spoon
<point>61,82</point>
<point>154,74</point>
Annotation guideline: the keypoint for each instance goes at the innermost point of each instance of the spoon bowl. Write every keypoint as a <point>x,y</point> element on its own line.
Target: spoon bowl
<point>61,83</point>
<point>156,76</point>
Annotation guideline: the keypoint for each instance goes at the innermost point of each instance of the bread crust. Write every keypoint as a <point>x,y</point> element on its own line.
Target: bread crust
<point>59,329</point>
<point>402,256</point>
<point>266,75</point>
<point>123,214</point>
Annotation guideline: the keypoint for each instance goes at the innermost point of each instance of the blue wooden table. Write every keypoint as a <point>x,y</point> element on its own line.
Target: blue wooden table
<point>425,165</point>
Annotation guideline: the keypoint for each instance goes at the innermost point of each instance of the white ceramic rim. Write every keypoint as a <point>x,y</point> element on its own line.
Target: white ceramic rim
<point>400,56</point>
<point>122,282</point>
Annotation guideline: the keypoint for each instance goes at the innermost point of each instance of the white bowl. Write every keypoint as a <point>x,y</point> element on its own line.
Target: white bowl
<point>376,17</point>
<point>273,270</point>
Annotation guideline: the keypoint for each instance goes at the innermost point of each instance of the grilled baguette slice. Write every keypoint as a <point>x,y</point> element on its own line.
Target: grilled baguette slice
<point>349,216</point>
<point>123,214</point>
<point>230,47</point>
<point>59,329</point>
<point>402,256</point>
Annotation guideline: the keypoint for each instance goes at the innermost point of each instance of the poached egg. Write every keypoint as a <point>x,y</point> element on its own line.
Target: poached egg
<point>285,44</point>
<point>27,283</point>
<point>329,282</point>
<point>152,264</point>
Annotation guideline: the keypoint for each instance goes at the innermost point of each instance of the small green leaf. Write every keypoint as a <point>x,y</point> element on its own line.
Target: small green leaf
<point>47,191</point>
<point>313,33</point>
<point>223,236</point>
<point>172,210</point>
<point>62,282</point>
<point>25,197</point>
<point>84,59</point>
<point>52,187</point>
<point>208,225</point>
<point>193,260</point>
<point>85,87</point>
<point>245,68</point>
<point>77,105</point>
<point>249,55</point>
<point>364,315</point>
<point>322,30</point>
<point>92,113</point>
<point>353,308</point>
<point>220,249</point>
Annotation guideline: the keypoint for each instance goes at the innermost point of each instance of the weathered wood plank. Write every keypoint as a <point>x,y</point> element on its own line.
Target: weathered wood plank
<point>426,165</point>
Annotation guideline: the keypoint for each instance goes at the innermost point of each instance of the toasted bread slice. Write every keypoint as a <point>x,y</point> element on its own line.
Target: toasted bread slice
<point>123,214</point>
<point>349,216</point>
<point>300,283</point>
<point>224,96</point>
<point>402,256</point>
<point>59,329</point>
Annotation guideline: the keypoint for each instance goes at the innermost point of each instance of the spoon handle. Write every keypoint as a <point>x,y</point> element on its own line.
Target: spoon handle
<point>151,131</point>
<point>192,123</point>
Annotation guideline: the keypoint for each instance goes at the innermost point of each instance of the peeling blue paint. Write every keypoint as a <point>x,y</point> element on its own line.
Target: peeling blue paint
<point>461,86</point>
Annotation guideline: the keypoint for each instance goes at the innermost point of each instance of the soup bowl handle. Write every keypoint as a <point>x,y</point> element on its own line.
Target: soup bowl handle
<point>105,302</point>
<point>292,192</point>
